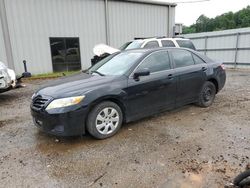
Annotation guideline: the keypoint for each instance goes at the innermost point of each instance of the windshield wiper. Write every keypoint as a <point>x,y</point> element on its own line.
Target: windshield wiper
<point>97,73</point>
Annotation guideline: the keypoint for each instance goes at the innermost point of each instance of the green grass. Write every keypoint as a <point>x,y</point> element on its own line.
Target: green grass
<point>53,75</point>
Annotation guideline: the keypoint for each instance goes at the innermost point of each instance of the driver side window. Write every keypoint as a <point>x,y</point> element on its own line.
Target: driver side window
<point>157,61</point>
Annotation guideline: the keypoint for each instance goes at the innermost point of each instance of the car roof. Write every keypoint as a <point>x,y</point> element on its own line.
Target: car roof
<point>159,38</point>
<point>149,50</point>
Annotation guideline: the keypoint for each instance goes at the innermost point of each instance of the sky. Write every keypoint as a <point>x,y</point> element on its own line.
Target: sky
<point>187,13</point>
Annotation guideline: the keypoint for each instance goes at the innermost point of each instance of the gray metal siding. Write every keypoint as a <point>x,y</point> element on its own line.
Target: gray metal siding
<point>221,42</point>
<point>171,23</point>
<point>32,22</point>
<point>128,20</point>
<point>222,45</point>
<point>2,46</point>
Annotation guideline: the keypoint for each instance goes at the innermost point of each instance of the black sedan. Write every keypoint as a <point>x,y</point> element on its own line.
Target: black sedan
<point>125,87</point>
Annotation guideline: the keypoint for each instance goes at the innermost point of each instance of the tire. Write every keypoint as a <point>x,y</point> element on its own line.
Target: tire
<point>207,95</point>
<point>104,120</point>
<point>238,181</point>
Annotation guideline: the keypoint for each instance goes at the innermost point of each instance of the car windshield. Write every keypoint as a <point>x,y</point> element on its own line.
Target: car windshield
<point>132,45</point>
<point>186,44</point>
<point>116,64</point>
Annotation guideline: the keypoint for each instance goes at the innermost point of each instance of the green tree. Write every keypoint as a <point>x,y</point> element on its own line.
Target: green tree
<point>201,23</point>
<point>228,20</point>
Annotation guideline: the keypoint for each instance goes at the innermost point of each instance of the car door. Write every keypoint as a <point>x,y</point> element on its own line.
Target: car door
<point>155,92</point>
<point>191,75</point>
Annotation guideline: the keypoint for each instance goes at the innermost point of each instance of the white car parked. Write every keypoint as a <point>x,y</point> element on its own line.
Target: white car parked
<point>102,50</point>
<point>157,42</point>
<point>8,78</point>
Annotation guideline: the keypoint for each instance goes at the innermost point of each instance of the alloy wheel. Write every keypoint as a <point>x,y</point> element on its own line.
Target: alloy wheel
<point>107,120</point>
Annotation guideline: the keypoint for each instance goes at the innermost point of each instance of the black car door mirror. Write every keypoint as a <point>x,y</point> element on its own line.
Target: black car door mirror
<point>143,72</point>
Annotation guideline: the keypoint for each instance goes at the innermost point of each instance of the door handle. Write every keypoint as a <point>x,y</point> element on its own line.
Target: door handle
<point>204,68</point>
<point>170,76</point>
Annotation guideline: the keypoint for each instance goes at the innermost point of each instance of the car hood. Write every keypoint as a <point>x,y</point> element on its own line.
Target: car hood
<point>103,48</point>
<point>74,85</point>
<point>2,66</point>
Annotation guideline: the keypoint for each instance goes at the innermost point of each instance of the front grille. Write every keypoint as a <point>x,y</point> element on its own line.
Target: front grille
<point>40,101</point>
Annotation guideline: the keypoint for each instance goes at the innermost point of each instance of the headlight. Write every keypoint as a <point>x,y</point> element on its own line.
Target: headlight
<point>64,102</point>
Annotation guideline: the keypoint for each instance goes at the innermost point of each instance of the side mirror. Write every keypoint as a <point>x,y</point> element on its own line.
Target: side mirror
<point>143,72</point>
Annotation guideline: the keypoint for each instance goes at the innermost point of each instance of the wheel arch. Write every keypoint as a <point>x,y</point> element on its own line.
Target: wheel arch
<point>113,99</point>
<point>215,82</point>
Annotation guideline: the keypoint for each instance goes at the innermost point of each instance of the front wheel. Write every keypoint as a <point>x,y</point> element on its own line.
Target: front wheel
<point>207,94</point>
<point>104,120</point>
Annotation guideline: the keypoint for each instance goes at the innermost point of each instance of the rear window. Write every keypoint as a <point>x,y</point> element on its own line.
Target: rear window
<point>186,44</point>
<point>167,43</point>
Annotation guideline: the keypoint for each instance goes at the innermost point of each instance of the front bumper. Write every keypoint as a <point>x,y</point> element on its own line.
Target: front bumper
<point>66,124</point>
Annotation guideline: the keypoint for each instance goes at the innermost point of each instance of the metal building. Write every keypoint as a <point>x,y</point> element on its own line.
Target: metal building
<point>59,35</point>
<point>230,46</point>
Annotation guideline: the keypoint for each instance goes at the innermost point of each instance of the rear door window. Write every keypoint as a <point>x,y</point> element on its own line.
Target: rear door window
<point>157,61</point>
<point>182,58</point>
<point>152,44</point>
<point>167,43</point>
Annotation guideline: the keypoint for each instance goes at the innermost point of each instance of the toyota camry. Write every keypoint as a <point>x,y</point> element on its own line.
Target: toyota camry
<point>124,87</point>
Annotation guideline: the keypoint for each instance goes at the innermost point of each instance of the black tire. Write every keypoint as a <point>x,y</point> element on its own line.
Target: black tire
<point>238,181</point>
<point>92,120</point>
<point>207,95</point>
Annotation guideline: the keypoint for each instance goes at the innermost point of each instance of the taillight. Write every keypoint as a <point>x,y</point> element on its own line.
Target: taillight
<point>223,66</point>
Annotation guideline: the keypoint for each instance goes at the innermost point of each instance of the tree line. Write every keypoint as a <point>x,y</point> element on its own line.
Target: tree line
<point>228,20</point>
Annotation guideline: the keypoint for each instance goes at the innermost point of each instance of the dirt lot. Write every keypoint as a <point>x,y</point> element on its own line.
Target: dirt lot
<point>188,147</point>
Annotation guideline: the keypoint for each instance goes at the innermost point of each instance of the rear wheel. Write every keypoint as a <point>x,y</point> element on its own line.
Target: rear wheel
<point>207,94</point>
<point>104,120</point>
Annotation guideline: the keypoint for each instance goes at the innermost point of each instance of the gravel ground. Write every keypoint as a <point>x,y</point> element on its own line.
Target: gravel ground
<point>186,148</point>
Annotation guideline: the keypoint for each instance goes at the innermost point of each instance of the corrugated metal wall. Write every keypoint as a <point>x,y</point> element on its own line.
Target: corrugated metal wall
<point>32,22</point>
<point>128,20</point>
<point>2,46</point>
<point>230,46</point>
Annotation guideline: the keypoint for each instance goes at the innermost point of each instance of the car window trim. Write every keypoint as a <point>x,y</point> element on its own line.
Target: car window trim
<point>188,67</point>
<point>171,66</point>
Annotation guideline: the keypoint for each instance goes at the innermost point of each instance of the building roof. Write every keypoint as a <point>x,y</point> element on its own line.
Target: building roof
<point>154,2</point>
